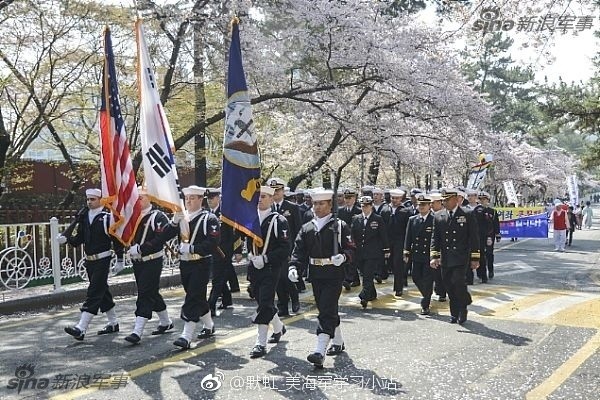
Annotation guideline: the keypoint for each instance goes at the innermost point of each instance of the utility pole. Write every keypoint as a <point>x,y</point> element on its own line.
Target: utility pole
<point>198,20</point>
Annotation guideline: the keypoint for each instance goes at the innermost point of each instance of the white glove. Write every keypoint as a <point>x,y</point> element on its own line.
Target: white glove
<point>134,252</point>
<point>61,239</point>
<point>177,217</point>
<point>118,267</point>
<point>338,259</point>
<point>185,248</point>
<point>293,275</point>
<point>257,261</point>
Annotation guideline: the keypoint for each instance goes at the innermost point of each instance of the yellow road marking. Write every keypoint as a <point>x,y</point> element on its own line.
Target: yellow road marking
<point>584,315</point>
<point>559,376</point>
<point>183,355</point>
<point>513,307</point>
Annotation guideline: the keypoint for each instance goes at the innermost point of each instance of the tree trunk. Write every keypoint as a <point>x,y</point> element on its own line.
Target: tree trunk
<point>398,171</point>
<point>374,169</point>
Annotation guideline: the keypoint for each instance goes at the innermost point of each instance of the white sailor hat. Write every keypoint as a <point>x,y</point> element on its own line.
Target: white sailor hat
<point>276,183</point>
<point>557,202</point>
<point>321,194</point>
<point>484,194</point>
<point>415,191</point>
<point>93,192</point>
<point>435,196</point>
<point>367,189</point>
<point>377,190</point>
<point>211,192</point>
<point>270,190</point>
<point>397,192</point>
<point>472,192</point>
<point>197,190</point>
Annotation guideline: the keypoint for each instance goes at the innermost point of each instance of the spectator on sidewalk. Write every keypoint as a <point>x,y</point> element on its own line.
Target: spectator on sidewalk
<point>588,214</point>
<point>561,223</point>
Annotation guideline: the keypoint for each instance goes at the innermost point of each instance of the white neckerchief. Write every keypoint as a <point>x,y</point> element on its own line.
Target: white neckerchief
<point>263,214</point>
<point>92,214</point>
<point>194,214</point>
<point>146,211</point>
<point>320,222</point>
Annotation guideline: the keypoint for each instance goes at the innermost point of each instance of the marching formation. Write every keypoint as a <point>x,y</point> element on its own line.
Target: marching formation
<point>441,239</point>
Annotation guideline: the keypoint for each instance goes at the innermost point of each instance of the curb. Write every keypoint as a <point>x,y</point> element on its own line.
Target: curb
<point>46,301</point>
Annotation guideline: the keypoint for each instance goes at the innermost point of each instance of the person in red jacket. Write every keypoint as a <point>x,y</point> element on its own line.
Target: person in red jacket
<point>561,223</point>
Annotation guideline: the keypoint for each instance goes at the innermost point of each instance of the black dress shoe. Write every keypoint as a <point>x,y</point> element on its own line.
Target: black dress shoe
<point>224,306</point>
<point>258,351</point>
<point>484,281</point>
<point>162,329</point>
<point>355,284</point>
<point>346,285</point>
<point>442,299</point>
<point>462,317</point>
<point>277,336</point>
<point>235,290</point>
<point>491,274</point>
<point>109,329</point>
<point>335,349</point>
<point>282,313</point>
<point>425,311</point>
<point>205,333</point>
<point>317,359</point>
<point>405,283</point>
<point>183,343</point>
<point>133,338</point>
<point>453,320</point>
<point>75,332</point>
<point>398,294</point>
<point>378,279</point>
<point>295,306</point>
<point>363,303</point>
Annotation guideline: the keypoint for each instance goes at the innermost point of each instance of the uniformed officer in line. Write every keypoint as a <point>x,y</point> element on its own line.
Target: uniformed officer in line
<point>222,267</point>
<point>484,225</point>
<point>492,215</point>
<point>397,233</point>
<point>147,252</point>
<point>286,291</point>
<point>411,206</point>
<point>369,234</point>
<point>454,248</point>
<point>196,255</point>
<point>267,263</point>
<point>300,200</point>
<point>92,224</point>
<point>306,203</point>
<point>438,283</point>
<point>380,207</point>
<point>346,212</point>
<point>417,246</point>
<point>314,246</point>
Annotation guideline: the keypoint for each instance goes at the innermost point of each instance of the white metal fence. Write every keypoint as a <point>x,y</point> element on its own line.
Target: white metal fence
<point>30,252</point>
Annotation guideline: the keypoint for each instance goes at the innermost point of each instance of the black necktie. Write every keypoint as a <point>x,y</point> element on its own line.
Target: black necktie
<point>277,207</point>
<point>421,219</point>
<point>451,214</point>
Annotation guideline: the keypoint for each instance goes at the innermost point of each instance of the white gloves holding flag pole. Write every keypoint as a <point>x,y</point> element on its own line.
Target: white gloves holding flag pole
<point>293,274</point>
<point>118,267</point>
<point>338,259</point>
<point>257,261</point>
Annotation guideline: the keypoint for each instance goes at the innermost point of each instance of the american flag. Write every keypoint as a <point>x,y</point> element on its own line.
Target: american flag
<point>119,187</point>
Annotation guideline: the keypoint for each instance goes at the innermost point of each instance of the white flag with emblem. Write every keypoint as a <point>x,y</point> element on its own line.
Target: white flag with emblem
<point>511,194</point>
<point>573,188</point>
<point>160,174</point>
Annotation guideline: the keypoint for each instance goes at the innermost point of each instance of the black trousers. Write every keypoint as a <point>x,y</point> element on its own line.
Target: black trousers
<point>147,279</point>
<point>219,284</point>
<point>194,278</point>
<point>456,285</point>
<point>438,282</point>
<point>286,291</point>
<point>398,266</point>
<point>98,295</point>
<point>569,236</point>
<point>481,270</point>
<point>327,294</point>
<point>351,272</point>
<point>489,259</point>
<point>264,282</point>
<point>368,267</point>
<point>232,279</point>
<point>422,275</point>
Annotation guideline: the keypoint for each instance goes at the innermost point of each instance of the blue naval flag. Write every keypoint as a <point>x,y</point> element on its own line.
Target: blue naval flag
<point>240,184</point>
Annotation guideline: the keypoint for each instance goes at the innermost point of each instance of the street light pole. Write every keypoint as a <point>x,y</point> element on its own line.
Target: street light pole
<point>200,101</point>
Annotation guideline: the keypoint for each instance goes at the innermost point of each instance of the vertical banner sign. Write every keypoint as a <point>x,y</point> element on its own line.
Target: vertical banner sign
<point>479,171</point>
<point>511,194</point>
<point>573,189</point>
<point>240,186</point>
<point>119,188</point>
